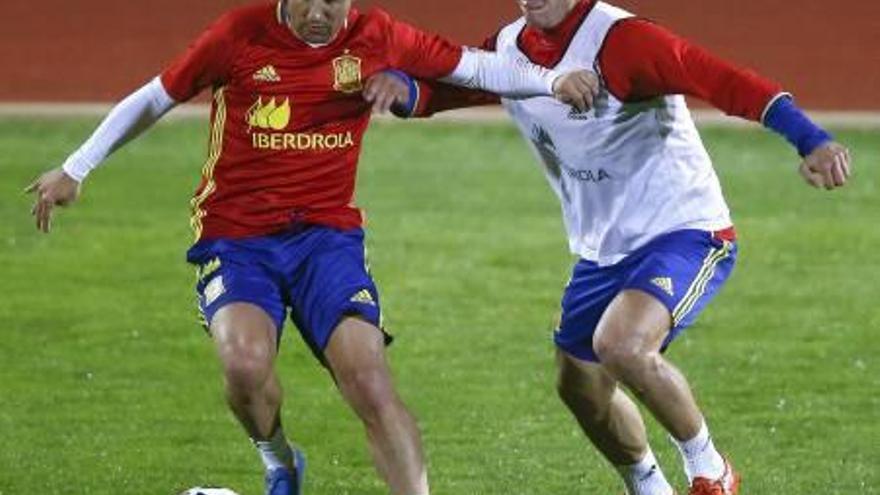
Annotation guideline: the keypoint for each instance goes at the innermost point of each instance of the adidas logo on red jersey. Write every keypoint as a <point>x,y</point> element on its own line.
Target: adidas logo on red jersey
<point>267,74</point>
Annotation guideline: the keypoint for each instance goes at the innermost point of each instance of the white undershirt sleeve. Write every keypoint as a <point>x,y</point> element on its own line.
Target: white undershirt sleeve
<point>506,76</point>
<point>133,115</point>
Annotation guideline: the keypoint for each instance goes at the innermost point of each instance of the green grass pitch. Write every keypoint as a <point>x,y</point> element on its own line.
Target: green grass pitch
<point>108,386</point>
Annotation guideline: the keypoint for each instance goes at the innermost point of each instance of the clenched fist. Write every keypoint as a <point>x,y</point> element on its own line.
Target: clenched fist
<point>828,166</point>
<point>577,88</point>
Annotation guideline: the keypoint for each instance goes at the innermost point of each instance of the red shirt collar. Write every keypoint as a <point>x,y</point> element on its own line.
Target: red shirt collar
<point>546,47</point>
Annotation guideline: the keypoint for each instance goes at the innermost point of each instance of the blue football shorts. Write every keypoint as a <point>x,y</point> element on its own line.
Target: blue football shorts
<point>318,274</point>
<point>683,270</point>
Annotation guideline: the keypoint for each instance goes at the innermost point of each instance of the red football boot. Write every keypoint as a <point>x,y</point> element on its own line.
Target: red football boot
<point>728,484</point>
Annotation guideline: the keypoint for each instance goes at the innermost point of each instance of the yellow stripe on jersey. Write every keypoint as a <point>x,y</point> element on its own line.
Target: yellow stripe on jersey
<point>701,281</point>
<point>216,149</point>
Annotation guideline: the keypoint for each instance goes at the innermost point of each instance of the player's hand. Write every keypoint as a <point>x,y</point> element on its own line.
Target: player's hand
<point>54,188</point>
<point>384,90</point>
<point>577,88</point>
<point>828,166</point>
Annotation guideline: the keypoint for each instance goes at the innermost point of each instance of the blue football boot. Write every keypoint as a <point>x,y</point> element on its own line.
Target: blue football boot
<point>281,481</point>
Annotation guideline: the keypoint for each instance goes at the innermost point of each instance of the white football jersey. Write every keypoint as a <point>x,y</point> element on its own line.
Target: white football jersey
<point>625,173</point>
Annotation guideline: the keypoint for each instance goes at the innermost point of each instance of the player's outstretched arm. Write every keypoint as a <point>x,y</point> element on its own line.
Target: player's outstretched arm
<point>642,60</point>
<point>518,78</point>
<point>132,116</point>
<point>404,96</point>
<point>430,57</point>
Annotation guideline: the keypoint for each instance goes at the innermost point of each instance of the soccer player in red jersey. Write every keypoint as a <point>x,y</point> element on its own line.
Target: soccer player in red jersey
<point>644,212</point>
<point>276,228</point>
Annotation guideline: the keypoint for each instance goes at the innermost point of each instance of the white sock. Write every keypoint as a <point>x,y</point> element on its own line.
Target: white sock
<point>276,451</point>
<point>645,477</point>
<point>701,459</point>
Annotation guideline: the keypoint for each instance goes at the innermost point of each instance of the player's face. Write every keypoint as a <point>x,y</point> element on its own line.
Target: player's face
<point>545,14</point>
<point>317,21</point>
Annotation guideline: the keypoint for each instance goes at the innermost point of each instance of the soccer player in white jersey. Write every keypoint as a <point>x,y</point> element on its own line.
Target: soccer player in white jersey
<point>644,212</point>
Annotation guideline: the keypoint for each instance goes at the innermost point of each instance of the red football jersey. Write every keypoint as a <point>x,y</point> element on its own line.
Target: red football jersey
<point>287,118</point>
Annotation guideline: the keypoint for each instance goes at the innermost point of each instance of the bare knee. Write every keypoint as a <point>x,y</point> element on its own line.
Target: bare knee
<point>370,392</point>
<point>630,335</point>
<point>246,368</point>
<point>245,339</point>
<point>627,361</point>
<point>621,354</point>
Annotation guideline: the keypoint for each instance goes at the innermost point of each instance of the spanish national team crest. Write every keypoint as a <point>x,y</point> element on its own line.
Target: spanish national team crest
<point>347,74</point>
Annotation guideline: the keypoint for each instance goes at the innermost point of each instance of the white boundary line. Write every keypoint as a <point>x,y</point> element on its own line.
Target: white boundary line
<point>847,119</point>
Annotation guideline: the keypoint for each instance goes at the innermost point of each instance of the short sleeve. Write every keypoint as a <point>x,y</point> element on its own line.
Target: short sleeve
<point>206,63</point>
<point>420,54</point>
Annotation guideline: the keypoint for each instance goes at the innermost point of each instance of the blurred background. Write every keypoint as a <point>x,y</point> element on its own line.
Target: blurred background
<point>826,53</point>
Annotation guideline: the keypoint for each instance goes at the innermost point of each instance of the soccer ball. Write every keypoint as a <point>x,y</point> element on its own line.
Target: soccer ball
<point>208,491</point>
